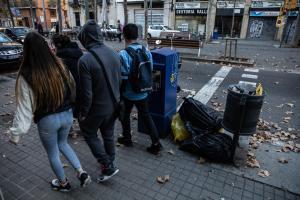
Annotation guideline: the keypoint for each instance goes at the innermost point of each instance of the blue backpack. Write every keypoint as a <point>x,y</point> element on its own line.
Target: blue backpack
<point>140,77</point>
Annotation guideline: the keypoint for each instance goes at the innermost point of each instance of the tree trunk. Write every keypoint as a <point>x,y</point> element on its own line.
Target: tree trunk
<point>86,10</point>
<point>10,13</point>
<point>45,18</point>
<point>31,14</point>
<point>146,19</point>
<point>95,11</point>
<point>296,37</point>
<point>125,12</point>
<point>58,10</point>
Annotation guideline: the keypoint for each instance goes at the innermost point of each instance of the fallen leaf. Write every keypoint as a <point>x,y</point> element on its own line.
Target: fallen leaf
<point>74,135</point>
<point>250,154</point>
<point>291,129</point>
<point>282,160</point>
<point>263,173</point>
<point>163,179</point>
<point>134,116</point>
<point>171,152</point>
<point>65,165</point>
<point>284,149</point>
<point>289,112</point>
<point>201,160</point>
<point>252,162</point>
<point>276,83</point>
<point>290,105</point>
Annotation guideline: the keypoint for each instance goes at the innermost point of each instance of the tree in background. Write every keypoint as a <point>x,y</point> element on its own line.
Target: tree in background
<point>125,12</point>
<point>58,9</point>
<point>10,13</point>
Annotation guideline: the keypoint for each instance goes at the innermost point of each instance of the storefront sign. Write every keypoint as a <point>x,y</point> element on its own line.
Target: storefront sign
<point>191,5</point>
<point>264,4</point>
<point>191,12</point>
<point>270,13</point>
<point>230,4</point>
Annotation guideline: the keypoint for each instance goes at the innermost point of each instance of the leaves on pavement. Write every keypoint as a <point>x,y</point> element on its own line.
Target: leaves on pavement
<point>263,173</point>
<point>163,179</point>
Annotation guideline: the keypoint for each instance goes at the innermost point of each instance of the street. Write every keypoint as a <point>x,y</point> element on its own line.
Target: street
<point>25,172</point>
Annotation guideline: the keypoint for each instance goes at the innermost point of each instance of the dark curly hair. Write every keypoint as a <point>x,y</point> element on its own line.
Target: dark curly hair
<point>60,40</point>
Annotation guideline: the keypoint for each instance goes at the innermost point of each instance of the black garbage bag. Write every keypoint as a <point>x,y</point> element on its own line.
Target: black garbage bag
<point>200,116</point>
<point>212,146</point>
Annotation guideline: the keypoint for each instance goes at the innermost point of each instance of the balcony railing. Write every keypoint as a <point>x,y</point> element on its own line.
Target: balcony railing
<point>22,4</point>
<point>52,4</point>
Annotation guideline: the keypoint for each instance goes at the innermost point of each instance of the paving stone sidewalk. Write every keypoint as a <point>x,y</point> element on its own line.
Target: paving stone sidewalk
<point>25,171</point>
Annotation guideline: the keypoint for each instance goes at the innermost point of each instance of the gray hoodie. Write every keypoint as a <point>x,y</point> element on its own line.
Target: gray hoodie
<point>94,95</point>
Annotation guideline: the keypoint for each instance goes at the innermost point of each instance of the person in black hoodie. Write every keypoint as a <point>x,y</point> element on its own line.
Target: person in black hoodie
<point>69,52</point>
<point>99,94</point>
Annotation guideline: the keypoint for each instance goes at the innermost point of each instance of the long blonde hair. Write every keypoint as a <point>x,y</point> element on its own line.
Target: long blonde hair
<point>45,73</point>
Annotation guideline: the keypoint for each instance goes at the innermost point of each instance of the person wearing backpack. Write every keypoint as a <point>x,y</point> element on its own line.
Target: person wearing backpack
<point>136,75</point>
<point>99,96</point>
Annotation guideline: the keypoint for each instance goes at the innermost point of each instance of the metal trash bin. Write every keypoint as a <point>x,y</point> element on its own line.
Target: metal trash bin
<point>162,100</point>
<point>241,114</point>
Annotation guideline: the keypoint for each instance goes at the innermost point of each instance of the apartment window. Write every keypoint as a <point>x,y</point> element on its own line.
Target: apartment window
<point>52,13</point>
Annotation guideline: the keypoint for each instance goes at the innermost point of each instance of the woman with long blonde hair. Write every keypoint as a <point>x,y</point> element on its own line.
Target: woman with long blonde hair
<point>45,93</point>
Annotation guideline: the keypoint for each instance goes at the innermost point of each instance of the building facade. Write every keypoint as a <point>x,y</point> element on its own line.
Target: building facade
<point>22,15</point>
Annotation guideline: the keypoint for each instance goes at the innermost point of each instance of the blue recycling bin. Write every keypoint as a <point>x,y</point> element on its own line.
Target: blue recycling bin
<point>215,35</point>
<point>162,100</point>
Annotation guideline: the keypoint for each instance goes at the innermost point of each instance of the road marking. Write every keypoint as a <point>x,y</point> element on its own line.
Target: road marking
<point>207,91</point>
<point>251,70</point>
<point>247,83</point>
<point>252,76</point>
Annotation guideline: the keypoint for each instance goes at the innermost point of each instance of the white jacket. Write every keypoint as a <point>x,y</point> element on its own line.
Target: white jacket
<point>24,113</point>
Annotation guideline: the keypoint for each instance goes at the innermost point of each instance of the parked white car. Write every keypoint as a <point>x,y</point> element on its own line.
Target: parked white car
<point>155,30</point>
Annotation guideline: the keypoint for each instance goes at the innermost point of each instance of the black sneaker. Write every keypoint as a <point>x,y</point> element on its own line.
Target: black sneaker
<point>58,186</point>
<point>126,142</point>
<point>85,179</point>
<point>108,171</point>
<point>155,148</point>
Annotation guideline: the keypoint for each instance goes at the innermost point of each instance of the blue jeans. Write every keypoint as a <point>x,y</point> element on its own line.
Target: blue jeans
<point>53,130</point>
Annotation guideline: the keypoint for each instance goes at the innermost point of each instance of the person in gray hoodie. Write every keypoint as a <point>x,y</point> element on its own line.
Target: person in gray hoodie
<point>99,95</point>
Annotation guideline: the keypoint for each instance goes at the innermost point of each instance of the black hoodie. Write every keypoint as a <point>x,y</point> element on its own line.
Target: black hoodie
<point>94,94</point>
<point>70,54</point>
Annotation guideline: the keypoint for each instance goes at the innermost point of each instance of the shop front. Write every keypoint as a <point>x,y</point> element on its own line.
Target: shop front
<point>262,21</point>
<point>223,22</point>
<point>191,17</point>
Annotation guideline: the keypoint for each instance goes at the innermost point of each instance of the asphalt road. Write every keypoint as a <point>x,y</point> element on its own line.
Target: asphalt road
<point>280,88</point>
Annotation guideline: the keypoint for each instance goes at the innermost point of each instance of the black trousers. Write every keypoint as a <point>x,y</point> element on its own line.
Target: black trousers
<point>144,114</point>
<point>103,152</point>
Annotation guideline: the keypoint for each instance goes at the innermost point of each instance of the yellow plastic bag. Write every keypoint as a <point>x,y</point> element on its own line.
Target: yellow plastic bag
<point>179,132</point>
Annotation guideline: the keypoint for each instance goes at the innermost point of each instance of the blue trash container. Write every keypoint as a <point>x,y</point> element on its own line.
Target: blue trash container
<point>215,34</point>
<point>162,100</point>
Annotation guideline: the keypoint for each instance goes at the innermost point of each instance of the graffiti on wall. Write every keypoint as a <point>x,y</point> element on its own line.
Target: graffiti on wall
<point>256,28</point>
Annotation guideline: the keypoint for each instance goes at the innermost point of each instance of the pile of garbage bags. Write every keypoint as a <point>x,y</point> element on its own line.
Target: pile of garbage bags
<point>196,127</point>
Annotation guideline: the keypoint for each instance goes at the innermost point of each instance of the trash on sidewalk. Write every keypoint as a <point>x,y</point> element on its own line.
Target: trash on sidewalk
<point>163,179</point>
<point>203,124</point>
<point>179,132</point>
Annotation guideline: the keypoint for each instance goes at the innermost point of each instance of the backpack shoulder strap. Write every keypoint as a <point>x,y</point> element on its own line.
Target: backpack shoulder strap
<point>131,52</point>
<point>99,61</point>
